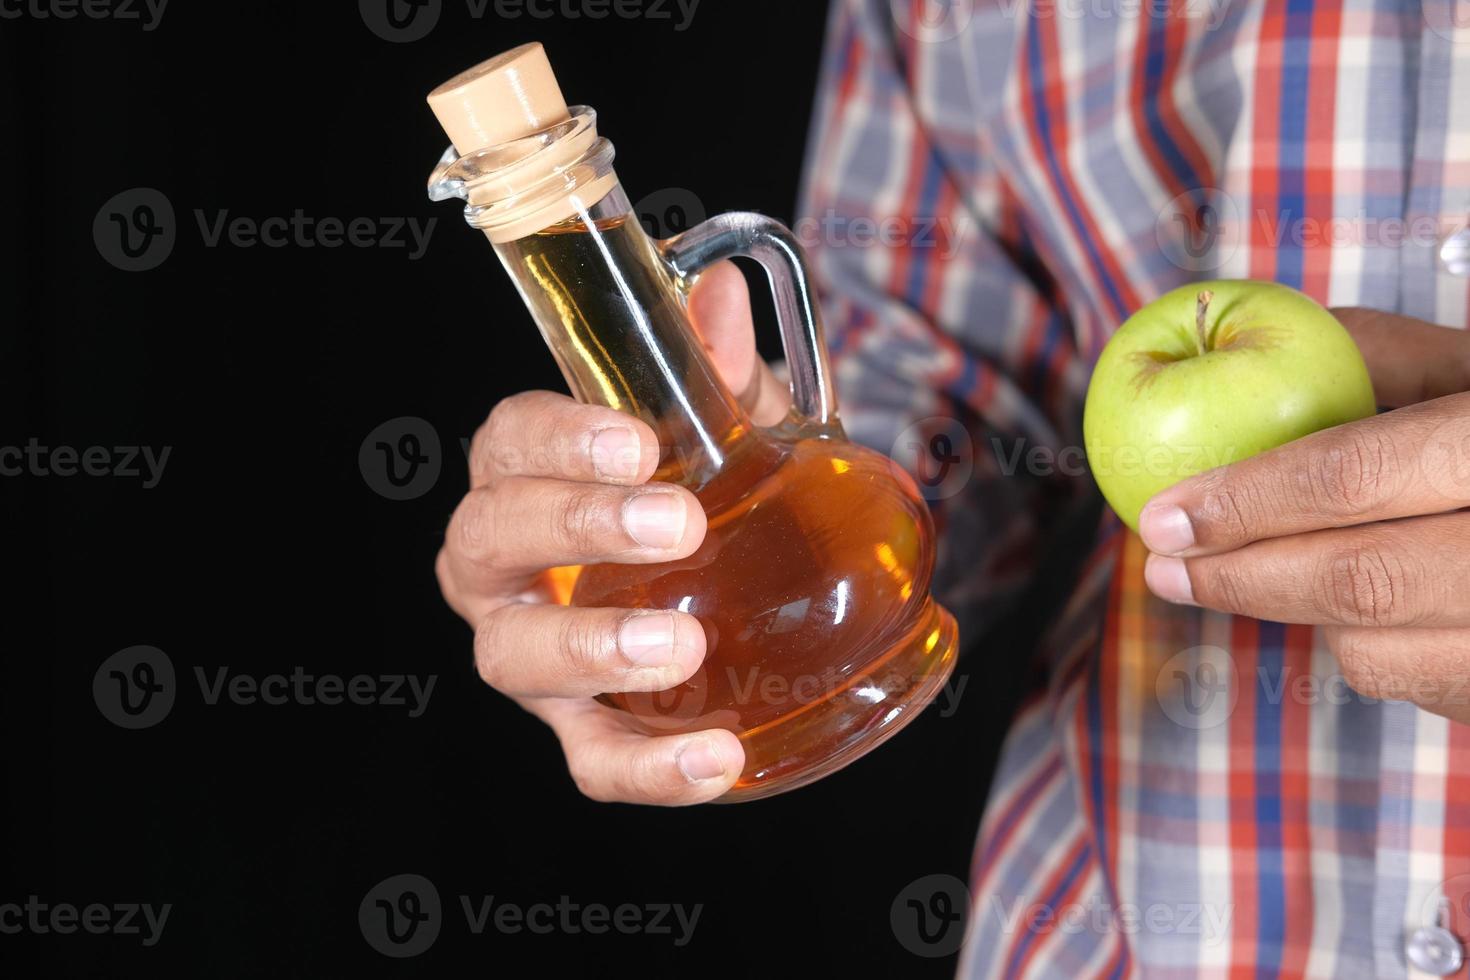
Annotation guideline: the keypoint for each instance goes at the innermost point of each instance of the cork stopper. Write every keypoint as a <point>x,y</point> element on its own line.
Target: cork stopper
<point>509,96</point>
<point>517,186</point>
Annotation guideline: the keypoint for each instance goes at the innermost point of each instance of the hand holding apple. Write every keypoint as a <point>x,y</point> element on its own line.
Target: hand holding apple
<point>1212,373</point>
<point>1361,529</point>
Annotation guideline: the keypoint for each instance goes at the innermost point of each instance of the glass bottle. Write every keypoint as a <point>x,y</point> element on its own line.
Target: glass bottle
<point>812,583</point>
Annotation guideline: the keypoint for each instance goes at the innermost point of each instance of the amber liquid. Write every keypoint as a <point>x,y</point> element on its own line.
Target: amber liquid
<point>813,579</point>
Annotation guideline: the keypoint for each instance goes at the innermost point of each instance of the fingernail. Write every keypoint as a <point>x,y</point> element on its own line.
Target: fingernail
<point>615,453</point>
<point>648,640</point>
<point>1165,529</point>
<point>1168,579</point>
<point>655,520</point>
<point>698,760</point>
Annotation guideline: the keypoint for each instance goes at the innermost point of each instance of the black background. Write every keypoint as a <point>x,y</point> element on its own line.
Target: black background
<point>264,548</point>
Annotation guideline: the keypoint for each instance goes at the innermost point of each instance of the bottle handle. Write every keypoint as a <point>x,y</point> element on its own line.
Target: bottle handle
<point>767,241</point>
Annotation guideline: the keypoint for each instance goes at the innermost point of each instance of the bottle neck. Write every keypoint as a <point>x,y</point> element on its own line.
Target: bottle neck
<point>612,312</point>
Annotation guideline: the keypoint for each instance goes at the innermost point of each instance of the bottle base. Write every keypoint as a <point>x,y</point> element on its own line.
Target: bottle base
<point>871,708</point>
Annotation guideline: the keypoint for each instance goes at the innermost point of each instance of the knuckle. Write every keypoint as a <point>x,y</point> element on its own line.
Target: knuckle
<point>475,527</point>
<point>507,414</point>
<point>1353,474</point>
<point>588,778</point>
<point>442,573</point>
<point>495,426</point>
<point>1233,507</point>
<point>640,777</point>
<point>578,521</point>
<point>494,447</point>
<point>449,587</point>
<point>1226,585</point>
<point>1359,666</point>
<point>481,444</point>
<point>1366,586</point>
<point>490,651</point>
<point>580,641</point>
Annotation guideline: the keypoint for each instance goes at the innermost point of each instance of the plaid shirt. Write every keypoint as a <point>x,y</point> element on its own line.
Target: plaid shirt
<point>1192,794</point>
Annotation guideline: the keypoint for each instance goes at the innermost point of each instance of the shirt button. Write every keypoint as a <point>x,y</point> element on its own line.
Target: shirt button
<point>1435,951</point>
<point>1454,254</point>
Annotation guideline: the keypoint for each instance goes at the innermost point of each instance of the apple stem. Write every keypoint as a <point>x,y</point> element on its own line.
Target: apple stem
<point>1201,307</point>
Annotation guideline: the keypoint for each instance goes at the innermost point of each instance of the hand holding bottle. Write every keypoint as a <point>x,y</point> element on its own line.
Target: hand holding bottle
<point>555,482</point>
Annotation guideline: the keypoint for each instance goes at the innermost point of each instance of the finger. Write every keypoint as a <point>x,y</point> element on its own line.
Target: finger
<point>521,526</point>
<point>541,433</point>
<point>1405,573</point>
<point>611,763</point>
<point>719,306</point>
<point>1410,361</point>
<point>528,650</point>
<point>1430,667</point>
<point>1390,466</point>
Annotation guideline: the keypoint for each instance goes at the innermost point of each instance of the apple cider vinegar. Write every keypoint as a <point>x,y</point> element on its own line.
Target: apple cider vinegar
<point>812,583</point>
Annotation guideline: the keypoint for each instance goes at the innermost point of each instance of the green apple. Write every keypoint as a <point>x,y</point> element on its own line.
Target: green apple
<point>1212,373</point>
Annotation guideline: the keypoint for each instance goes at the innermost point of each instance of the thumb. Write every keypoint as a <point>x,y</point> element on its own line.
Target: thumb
<point>1409,360</point>
<point>719,305</point>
